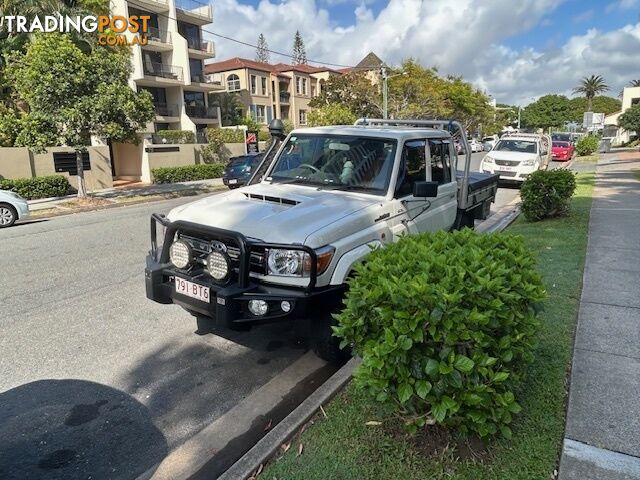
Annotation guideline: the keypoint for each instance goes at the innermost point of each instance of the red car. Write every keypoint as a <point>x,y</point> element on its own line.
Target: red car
<point>562,151</point>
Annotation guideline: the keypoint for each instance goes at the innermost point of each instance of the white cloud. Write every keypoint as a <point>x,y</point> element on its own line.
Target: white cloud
<point>466,38</point>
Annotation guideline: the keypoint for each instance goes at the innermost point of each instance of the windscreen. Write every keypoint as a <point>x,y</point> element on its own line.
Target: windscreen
<point>561,144</point>
<point>522,146</point>
<point>336,161</point>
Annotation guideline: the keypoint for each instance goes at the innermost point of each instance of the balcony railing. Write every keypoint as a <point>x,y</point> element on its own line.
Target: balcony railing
<point>284,97</point>
<point>198,78</point>
<point>171,72</point>
<point>200,111</point>
<point>201,45</point>
<point>194,7</point>
<point>156,35</point>
<point>166,109</point>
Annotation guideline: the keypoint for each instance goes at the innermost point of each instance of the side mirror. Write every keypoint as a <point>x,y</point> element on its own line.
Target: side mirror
<point>423,189</point>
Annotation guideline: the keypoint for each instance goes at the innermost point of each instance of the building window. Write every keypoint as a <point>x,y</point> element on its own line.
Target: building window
<point>259,113</point>
<point>263,81</point>
<point>254,85</point>
<point>197,74</point>
<point>302,117</point>
<point>233,83</point>
<point>301,86</point>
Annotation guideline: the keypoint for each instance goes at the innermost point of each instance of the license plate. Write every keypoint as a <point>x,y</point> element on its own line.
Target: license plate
<point>233,181</point>
<point>193,290</point>
<point>505,169</point>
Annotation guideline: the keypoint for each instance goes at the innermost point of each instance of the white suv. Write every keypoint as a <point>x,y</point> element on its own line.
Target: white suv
<point>515,157</point>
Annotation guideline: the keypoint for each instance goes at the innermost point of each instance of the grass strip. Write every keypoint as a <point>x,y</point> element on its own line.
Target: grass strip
<point>342,446</point>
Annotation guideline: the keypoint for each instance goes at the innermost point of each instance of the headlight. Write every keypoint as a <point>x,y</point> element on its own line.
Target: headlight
<point>487,159</point>
<point>180,254</point>
<point>296,263</point>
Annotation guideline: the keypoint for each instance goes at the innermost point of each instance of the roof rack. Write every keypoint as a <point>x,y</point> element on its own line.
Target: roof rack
<point>447,125</point>
<point>525,135</point>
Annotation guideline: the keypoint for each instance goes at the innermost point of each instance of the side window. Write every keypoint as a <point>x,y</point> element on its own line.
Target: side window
<point>440,161</point>
<point>413,166</point>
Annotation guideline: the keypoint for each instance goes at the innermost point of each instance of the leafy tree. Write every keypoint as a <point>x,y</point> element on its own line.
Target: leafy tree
<point>354,91</point>
<point>419,93</point>
<point>468,105</point>
<point>600,104</point>
<point>333,114</point>
<point>299,51</point>
<point>590,87</point>
<point>547,111</point>
<point>73,95</point>
<point>262,50</point>
<point>230,107</point>
<point>630,119</point>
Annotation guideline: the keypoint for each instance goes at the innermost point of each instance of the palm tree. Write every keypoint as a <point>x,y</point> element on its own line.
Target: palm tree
<point>590,87</point>
<point>230,107</point>
<point>632,84</point>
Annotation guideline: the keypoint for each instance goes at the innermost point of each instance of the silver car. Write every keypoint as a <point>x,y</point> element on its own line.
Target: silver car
<point>12,208</point>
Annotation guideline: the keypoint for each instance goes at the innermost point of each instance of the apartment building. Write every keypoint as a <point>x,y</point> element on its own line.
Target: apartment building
<point>630,97</point>
<point>171,67</point>
<point>270,90</point>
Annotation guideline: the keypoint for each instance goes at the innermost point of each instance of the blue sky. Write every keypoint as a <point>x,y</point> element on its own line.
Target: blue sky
<point>512,49</point>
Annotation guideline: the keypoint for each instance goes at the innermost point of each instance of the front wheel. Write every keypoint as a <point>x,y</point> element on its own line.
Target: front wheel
<point>8,215</point>
<point>324,344</point>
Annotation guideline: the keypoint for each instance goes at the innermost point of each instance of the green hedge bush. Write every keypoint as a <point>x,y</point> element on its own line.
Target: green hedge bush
<point>587,145</point>
<point>177,136</point>
<point>187,173</point>
<point>547,193</point>
<point>445,324</point>
<point>38,187</point>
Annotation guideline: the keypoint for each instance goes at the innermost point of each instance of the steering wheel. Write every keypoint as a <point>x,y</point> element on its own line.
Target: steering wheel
<point>310,167</point>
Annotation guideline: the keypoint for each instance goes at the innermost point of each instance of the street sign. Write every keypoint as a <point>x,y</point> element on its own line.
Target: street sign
<point>251,142</point>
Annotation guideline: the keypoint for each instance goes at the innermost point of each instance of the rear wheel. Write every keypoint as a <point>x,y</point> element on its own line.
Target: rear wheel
<point>324,344</point>
<point>8,215</point>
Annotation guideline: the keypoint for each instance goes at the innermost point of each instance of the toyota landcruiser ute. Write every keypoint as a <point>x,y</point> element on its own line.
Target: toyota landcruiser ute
<point>283,246</point>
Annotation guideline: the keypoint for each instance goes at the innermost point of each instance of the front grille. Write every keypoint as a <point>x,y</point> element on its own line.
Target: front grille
<point>203,247</point>
<point>508,163</point>
<point>508,174</point>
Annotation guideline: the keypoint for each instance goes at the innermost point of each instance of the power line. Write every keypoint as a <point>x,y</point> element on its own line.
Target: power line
<point>276,52</point>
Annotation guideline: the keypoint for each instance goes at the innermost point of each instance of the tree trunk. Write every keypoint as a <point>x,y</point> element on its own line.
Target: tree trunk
<point>589,104</point>
<point>82,187</point>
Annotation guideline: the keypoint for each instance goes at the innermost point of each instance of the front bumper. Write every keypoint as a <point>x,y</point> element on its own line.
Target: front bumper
<point>228,303</point>
<point>518,174</point>
<point>23,210</point>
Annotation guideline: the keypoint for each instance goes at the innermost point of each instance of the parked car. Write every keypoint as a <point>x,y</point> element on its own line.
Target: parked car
<point>459,146</point>
<point>239,170</point>
<point>12,208</point>
<point>489,142</point>
<point>518,155</point>
<point>474,145</point>
<point>283,247</point>
<point>562,151</point>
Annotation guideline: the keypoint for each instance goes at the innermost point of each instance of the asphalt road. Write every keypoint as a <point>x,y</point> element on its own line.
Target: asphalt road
<point>95,380</point>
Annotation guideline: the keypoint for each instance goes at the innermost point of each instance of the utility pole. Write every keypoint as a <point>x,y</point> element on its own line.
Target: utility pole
<point>385,92</point>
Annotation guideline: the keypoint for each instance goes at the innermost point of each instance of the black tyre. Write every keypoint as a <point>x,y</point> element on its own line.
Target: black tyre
<point>324,344</point>
<point>8,215</point>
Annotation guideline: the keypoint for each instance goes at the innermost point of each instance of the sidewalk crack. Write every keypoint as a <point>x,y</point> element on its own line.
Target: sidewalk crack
<point>608,353</point>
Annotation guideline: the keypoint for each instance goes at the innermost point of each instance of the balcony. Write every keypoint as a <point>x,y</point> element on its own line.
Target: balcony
<point>166,109</point>
<point>285,97</point>
<point>202,49</point>
<point>158,40</point>
<point>193,11</point>
<point>152,5</point>
<point>170,73</point>
<point>200,111</point>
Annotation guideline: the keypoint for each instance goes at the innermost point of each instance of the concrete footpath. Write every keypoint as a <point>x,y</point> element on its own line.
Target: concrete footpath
<point>602,436</point>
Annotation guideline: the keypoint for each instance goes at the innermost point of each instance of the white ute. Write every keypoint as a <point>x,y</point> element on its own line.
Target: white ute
<point>517,155</point>
<point>282,247</point>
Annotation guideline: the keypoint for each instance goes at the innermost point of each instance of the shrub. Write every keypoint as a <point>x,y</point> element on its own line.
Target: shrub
<point>587,145</point>
<point>546,193</point>
<point>445,323</point>
<point>177,136</point>
<point>38,187</point>
<point>187,173</point>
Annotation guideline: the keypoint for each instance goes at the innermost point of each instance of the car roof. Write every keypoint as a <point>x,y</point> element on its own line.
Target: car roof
<point>520,139</point>
<point>395,132</point>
